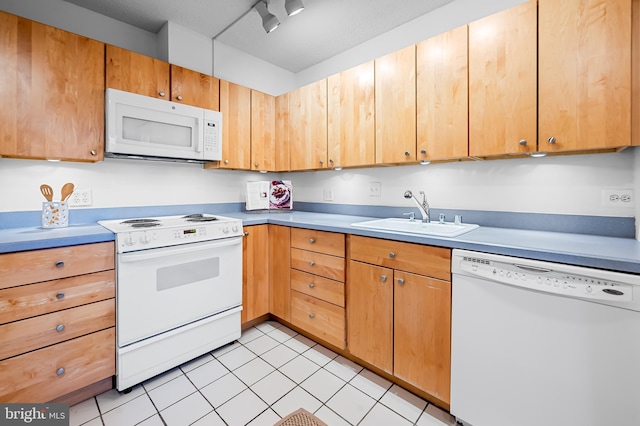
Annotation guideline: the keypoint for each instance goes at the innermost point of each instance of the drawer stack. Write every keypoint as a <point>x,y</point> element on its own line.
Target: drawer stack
<point>317,284</point>
<point>57,321</point>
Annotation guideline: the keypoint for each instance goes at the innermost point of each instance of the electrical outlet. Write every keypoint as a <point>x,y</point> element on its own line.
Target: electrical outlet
<point>80,197</point>
<point>617,198</point>
<point>375,189</point>
<point>327,194</point>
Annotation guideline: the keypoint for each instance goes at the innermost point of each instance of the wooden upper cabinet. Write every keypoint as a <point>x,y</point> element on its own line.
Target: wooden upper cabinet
<point>235,105</point>
<point>282,155</point>
<point>395,85</point>
<point>51,92</point>
<point>132,72</point>
<point>308,129</point>
<point>442,96</point>
<point>502,82</point>
<point>584,74</point>
<point>263,131</point>
<point>351,124</point>
<point>194,88</point>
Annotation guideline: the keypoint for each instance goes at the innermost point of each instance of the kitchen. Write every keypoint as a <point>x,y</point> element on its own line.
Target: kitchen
<point>565,189</point>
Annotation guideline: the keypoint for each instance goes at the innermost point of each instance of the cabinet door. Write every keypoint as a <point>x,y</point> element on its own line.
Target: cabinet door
<point>255,272</point>
<point>235,105</point>
<point>136,73</point>
<point>194,88</point>
<point>502,82</point>
<point>282,134</point>
<point>395,83</point>
<point>279,271</point>
<point>370,314</point>
<point>52,92</point>
<point>351,124</point>
<point>585,74</point>
<point>442,96</point>
<point>263,131</point>
<point>308,129</point>
<point>422,333</point>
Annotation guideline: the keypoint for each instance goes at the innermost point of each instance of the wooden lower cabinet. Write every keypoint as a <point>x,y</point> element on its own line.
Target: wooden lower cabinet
<point>279,269</point>
<point>318,317</point>
<point>255,272</point>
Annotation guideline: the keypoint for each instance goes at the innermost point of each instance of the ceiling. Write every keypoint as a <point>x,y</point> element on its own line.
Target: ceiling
<point>324,29</point>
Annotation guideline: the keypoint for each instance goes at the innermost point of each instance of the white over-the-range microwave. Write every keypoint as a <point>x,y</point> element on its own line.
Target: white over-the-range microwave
<point>143,127</point>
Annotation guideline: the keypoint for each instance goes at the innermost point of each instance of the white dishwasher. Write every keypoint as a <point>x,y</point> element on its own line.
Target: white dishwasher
<point>543,344</point>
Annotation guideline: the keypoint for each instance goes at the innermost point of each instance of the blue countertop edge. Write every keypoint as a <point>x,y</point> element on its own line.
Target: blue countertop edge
<point>612,253</point>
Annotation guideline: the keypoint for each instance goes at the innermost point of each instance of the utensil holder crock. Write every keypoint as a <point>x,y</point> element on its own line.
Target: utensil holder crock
<point>55,214</point>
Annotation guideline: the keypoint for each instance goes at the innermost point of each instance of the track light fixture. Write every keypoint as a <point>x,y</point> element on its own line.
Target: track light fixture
<point>269,21</point>
<point>293,7</point>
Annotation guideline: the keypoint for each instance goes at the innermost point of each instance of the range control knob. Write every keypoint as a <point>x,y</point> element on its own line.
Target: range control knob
<point>235,228</point>
<point>144,239</point>
<point>225,229</point>
<point>128,240</point>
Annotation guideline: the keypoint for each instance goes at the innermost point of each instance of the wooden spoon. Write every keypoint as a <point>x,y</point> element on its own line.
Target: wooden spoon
<point>47,192</point>
<point>67,190</point>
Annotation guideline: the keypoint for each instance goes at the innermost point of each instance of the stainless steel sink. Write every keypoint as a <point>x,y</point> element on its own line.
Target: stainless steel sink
<point>416,227</point>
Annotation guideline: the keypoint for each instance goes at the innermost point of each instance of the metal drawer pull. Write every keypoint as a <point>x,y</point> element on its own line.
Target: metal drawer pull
<point>400,281</point>
<point>161,93</point>
<point>311,263</point>
<point>59,264</point>
<point>312,316</point>
<point>383,278</point>
<point>246,234</point>
<point>60,371</point>
<point>392,255</point>
<point>311,240</point>
<point>60,327</point>
<point>312,285</point>
<point>60,296</point>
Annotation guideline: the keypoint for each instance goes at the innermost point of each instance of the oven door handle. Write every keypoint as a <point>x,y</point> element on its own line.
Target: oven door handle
<point>188,248</point>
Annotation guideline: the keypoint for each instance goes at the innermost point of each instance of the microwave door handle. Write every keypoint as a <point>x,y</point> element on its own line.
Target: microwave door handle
<point>200,135</point>
<point>170,251</point>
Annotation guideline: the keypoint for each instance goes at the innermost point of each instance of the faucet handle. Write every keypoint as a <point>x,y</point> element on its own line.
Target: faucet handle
<point>412,216</point>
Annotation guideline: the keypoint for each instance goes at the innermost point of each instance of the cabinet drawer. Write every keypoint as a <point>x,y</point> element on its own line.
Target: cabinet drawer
<point>424,260</point>
<point>318,287</point>
<point>37,299</point>
<point>34,333</point>
<point>319,318</point>
<point>34,266</point>
<point>34,376</point>
<point>319,264</point>
<point>318,241</point>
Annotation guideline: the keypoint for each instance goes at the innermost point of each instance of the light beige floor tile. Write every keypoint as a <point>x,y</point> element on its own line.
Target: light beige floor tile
<point>343,368</point>
<point>282,334</point>
<point>223,390</point>
<point>224,349</point>
<point>171,392</point>
<point>371,384</point>
<point>111,399</point>
<point>197,362</point>
<point>300,343</point>
<point>268,326</point>
<point>329,417</point>
<point>320,355</point>
<point>253,371</point>
<point>322,385</point>
<point>241,409</point>
<point>161,379</point>
<point>299,368</point>
<point>187,410</point>
<point>273,387</point>
<point>207,373</point>
<point>434,416</point>
<point>151,421</point>
<point>297,398</point>
<point>267,418</point>
<point>279,356</point>
<point>130,413</point>
<point>261,344</point>
<point>383,416</point>
<point>351,404</point>
<point>211,419</point>
<point>249,335</point>
<point>83,412</point>
<point>237,357</point>
<point>404,403</point>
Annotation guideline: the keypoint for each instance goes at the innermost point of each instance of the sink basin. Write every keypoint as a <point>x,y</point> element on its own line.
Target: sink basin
<point>416,227</point>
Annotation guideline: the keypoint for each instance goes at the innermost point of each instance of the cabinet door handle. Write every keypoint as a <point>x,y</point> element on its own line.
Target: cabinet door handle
<point>257,165</point>
<point>246,234</point>
<point>392,255</point>
<point>407,153</point>
<point>312,316</point>
<point>552,139</point>
<point>226,161</point>
<point>400,281</point>
<point>383,278</point>
<point>59,264</point>
<point>60,371</point>
<point>179,97</point>
<point>523,142</point>
<point>311,240</point>
<point>94,152</point>
<point>60,295</point>
<point>311,263</point>
<point>161,94</point>
<point>60,327</point>
<point>312,285</point>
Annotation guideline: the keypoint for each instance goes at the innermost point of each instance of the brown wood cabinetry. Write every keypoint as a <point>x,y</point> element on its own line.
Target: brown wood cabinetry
<point>317,282</point>
<point>403,291</point>
<point>132,72</point>
<point>52,103</point>
<point>282,151</point>
<point>57,323</point>
<point>395,83</point>
<point>235,106</point>
<point>255,272</point>
<point>502,82</point>
<point>442,96</point>
<point>351,117</point>
<point>263,131</point>
<point>584,68</point>
<point>308,129</point>
<point>279,270</point>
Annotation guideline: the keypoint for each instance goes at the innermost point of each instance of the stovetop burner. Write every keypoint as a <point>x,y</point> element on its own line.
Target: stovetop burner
<point>199,217</point>
<point>134,221</point>
<point>145,224</point>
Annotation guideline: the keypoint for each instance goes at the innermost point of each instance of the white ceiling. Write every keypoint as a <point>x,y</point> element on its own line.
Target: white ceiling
<point>324,29</point>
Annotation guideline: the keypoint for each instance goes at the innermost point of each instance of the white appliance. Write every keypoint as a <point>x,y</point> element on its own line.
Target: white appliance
<point>144,127</point>
<point>178,291</point>
<point>538,343</point>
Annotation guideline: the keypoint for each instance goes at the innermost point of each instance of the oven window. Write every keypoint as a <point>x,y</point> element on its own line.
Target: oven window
<point>187,273</point>
<point>136,129</point>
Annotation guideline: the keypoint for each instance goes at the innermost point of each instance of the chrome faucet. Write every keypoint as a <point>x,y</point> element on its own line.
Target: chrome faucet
<point>423,207</point>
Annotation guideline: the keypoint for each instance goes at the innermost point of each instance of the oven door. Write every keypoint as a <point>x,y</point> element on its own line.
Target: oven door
<point>162,289</point>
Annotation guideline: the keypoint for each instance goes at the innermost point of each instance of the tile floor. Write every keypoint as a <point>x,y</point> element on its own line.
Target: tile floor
<point>268,373</point>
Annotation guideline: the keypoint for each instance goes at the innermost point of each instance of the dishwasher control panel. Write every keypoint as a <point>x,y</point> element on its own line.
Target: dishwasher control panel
<point>551,280</point>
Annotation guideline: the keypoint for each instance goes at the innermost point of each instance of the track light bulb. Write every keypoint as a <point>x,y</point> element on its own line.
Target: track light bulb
<point>293,7</point>
<point>269,21</point>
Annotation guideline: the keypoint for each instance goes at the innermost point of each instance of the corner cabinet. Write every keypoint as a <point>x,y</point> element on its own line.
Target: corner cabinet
<point>308,129</point>
<point>403,292</point>
<point>235,106</point>
<point>57,323</point>
<point>503,82</point>
<point>52,103</point>
<point>584,74</point>
<point>263,131</point>
<point>255,272</point>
